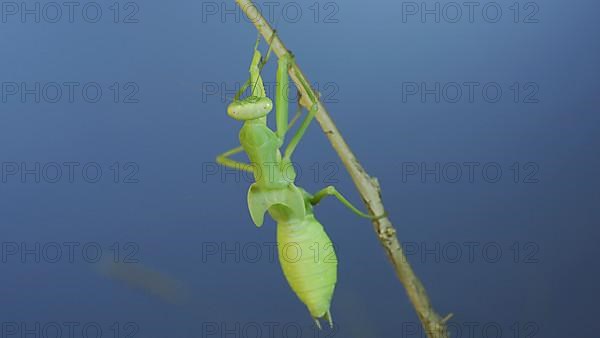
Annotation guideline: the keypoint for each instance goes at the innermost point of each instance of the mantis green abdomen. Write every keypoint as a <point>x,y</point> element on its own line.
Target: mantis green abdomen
<point>309,263</point>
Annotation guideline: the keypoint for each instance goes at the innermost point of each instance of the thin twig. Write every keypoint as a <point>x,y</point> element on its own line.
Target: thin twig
<point>367,186</point>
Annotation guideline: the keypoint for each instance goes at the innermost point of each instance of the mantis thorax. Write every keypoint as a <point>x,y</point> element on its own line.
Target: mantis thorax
<point>262,145</point>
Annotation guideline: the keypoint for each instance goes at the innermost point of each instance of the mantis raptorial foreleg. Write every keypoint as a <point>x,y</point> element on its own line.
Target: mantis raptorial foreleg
<point>258,90</point>
<point>332,191</point>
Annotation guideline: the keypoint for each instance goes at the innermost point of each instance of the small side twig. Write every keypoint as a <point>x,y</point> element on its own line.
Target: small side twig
<point>367,186</point>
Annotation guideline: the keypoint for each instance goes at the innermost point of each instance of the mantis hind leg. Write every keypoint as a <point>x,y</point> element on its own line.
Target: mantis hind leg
<point>332,191</point>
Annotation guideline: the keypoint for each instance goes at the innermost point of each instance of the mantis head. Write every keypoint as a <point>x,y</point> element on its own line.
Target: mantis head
<point>250,108</point>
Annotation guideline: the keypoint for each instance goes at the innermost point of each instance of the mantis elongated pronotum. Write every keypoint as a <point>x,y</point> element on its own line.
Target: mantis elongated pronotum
<point>311,278</point>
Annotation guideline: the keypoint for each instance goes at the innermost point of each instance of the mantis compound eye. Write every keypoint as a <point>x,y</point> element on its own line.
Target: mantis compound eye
<point>250,108</point>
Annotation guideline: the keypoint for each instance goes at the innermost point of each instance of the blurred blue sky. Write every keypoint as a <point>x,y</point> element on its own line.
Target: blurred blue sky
<point>509,90</point>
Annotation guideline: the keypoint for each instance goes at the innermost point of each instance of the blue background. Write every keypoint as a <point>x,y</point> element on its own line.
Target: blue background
<point>367,54</point>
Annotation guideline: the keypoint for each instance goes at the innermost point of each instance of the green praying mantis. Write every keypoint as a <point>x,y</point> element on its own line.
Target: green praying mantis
<point>311,277</point>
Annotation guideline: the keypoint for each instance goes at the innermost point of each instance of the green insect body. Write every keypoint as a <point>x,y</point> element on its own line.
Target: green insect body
<point>309,263</point>
<point>306,253</point>
<point>298,232</point>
